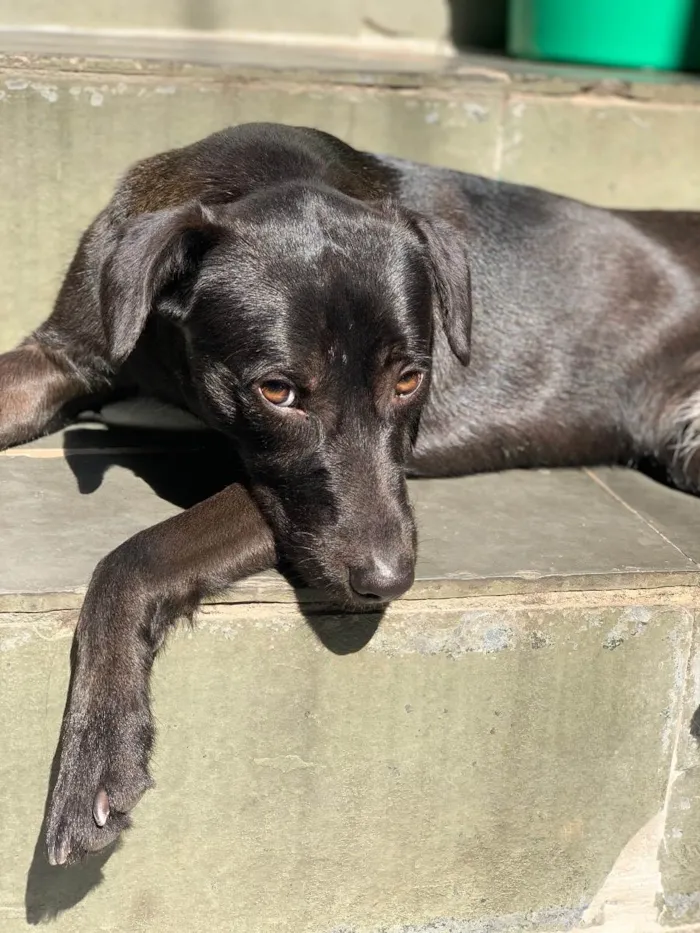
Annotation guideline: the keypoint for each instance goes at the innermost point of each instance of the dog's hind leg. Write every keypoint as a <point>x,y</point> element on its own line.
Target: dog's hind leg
<point>680,447</point>
<point>667,423</point>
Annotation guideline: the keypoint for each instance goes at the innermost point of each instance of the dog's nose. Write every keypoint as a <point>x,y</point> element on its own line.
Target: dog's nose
<point>380,580</point>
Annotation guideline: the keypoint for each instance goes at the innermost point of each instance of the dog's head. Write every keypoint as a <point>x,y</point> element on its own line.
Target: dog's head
<point>309,320</point>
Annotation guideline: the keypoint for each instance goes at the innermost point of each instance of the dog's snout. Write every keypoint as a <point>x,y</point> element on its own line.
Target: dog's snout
<point>381,580</point>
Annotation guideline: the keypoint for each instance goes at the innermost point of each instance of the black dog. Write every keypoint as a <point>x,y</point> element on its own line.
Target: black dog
<point>315,304</point>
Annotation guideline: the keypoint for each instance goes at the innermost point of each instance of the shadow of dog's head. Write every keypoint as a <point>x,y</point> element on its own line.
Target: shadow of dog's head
<point>308,320</point>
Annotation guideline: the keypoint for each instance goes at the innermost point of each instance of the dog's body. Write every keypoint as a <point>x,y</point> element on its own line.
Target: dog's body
<point>320,306</point>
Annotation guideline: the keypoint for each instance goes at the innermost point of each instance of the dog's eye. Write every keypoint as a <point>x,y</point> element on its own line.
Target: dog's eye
<point>278,393</point>
<point>408,383</point>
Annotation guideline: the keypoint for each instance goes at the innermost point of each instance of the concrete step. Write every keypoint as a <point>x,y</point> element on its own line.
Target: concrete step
<point>509,750</point>
<point>421,25</point>
<point>413,20</point>
<point>71,123</point>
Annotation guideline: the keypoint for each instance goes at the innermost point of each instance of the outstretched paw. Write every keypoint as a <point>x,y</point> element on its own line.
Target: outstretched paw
<point>103,775</point>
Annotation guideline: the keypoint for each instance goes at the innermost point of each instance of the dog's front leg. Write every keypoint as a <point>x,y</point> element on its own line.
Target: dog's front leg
<point>136,594</point>
<point>35,385</point>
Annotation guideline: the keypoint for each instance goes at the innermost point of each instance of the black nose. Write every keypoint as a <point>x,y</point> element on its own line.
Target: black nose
<point>381,579</point>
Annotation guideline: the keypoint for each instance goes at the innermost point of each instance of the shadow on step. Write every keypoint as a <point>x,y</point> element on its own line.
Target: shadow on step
<point>183,468</point>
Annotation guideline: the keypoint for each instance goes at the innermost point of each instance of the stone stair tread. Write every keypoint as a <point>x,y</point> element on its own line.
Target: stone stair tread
<point>69,499</point>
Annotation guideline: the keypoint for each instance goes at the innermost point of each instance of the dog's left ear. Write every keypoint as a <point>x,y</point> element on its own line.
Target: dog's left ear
<point>451,278</point>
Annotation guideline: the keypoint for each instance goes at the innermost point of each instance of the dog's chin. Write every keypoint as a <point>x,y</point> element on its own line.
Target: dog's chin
<point>329,589</point>
<point>354,605</point>
<point>333,594</point>
<point>350,604</point>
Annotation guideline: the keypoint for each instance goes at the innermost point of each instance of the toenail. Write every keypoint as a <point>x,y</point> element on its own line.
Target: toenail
<point>100,807</point>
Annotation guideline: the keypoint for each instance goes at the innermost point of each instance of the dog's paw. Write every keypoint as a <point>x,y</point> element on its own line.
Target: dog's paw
<point>103,774</point>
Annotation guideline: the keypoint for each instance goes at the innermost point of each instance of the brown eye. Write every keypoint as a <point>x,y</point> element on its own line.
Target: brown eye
<point>408,383</point>
<point>278,393</point>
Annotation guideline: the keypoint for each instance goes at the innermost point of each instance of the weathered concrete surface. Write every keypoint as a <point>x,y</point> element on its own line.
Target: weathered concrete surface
<point>414,19</point>
<point>680,853</point>
<point>469,763</point>
<point>70,126</point>
<point>511,752</point>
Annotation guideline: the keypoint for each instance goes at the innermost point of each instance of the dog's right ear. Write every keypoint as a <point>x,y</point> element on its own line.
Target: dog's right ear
<point>156,258</point>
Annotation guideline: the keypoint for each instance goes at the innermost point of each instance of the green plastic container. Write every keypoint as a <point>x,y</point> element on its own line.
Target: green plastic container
<point>625,33</point>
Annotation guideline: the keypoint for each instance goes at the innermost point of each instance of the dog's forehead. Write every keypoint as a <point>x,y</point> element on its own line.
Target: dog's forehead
<point>332,320</point>
<point>320,234</point>
<point>343,307</point>
<point>317,255</point>
<point>319,282</point>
